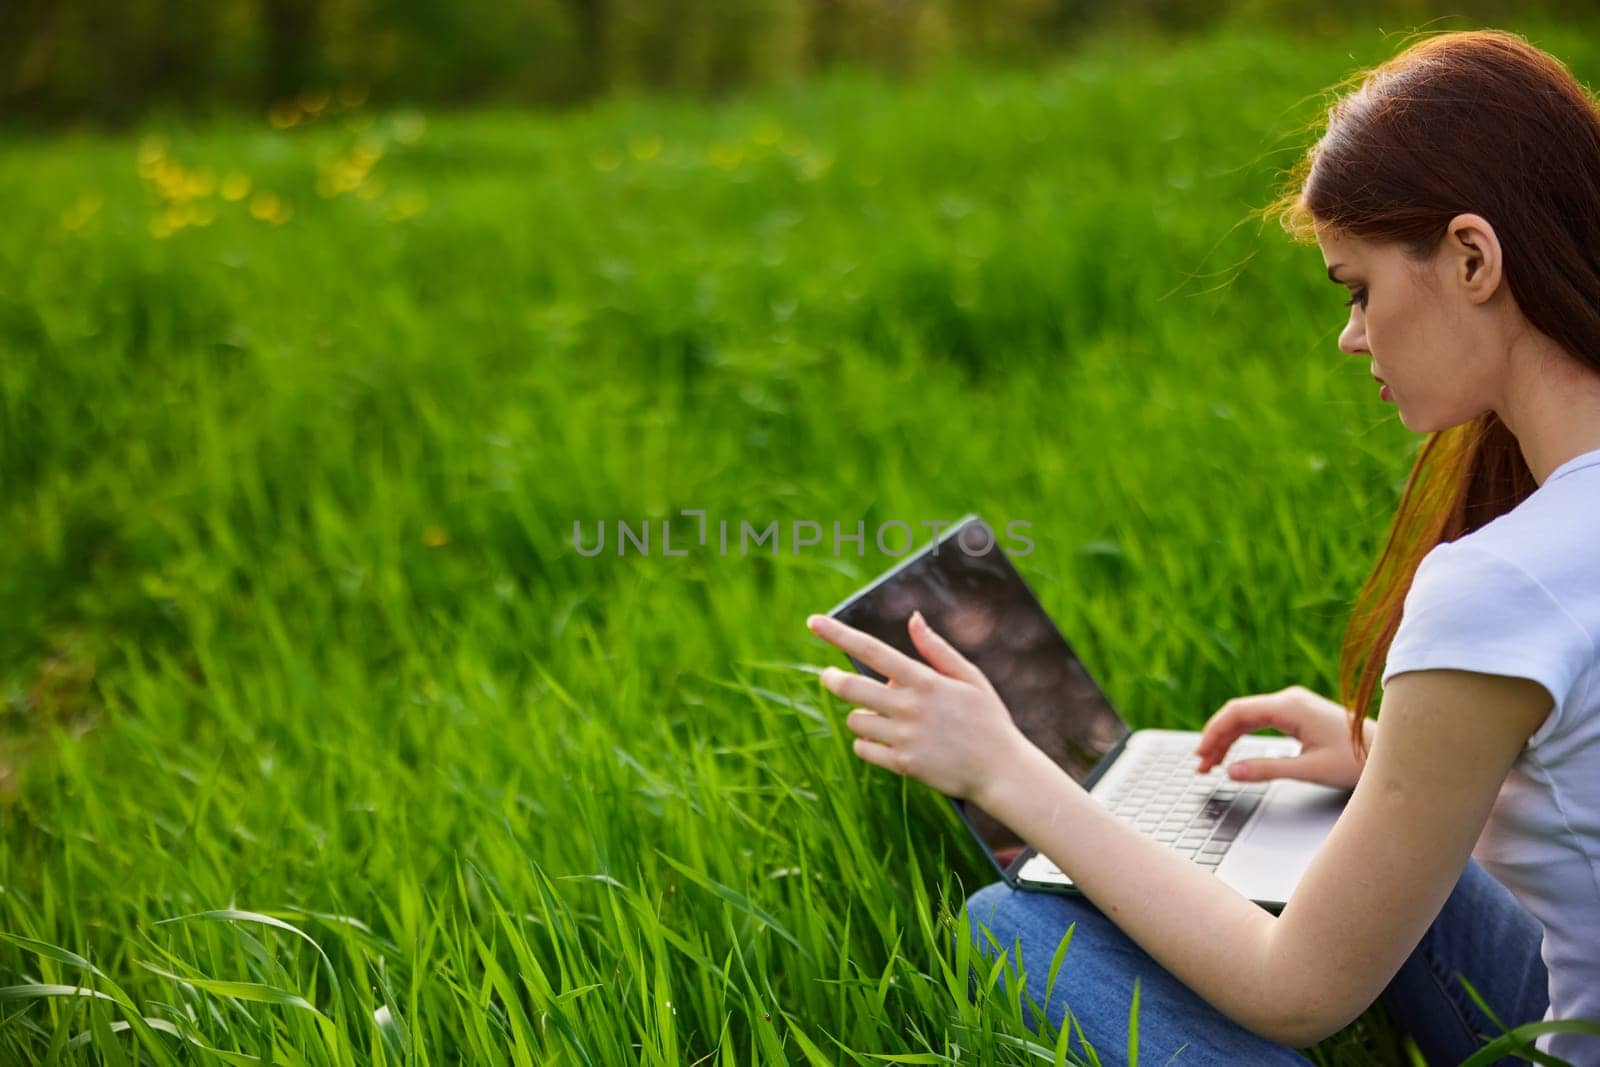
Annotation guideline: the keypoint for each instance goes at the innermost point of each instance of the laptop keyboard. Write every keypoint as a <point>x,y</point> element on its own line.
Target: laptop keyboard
<point>1196,815</point>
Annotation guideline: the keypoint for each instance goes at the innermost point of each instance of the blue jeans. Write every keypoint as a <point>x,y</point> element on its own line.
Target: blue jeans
<point>1481,932</point>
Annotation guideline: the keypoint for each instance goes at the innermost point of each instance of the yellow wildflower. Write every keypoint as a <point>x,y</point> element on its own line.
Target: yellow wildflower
<point>269,207</point>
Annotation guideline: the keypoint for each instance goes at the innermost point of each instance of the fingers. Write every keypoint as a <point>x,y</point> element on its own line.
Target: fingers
<point>868,692</point>
<point>878,755</point>
<point>871,725</point>
<point>1264,769</point>
<point>1238,716</point>
<point>944,656</point>
<point>887,661</point>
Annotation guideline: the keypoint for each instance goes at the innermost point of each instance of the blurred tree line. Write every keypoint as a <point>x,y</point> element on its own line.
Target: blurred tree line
<point>113,59</point>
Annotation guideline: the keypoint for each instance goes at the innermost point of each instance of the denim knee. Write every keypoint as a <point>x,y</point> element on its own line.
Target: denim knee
<point>985,909</point>
<point>1008,913</point>
<point>1002,919</point>
<point>1092,992</point>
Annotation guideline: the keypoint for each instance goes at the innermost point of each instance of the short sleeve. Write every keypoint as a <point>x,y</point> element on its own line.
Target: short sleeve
<point>1470,609</point>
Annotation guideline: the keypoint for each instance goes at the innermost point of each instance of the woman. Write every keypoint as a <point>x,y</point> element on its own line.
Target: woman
<point>1456,194</point>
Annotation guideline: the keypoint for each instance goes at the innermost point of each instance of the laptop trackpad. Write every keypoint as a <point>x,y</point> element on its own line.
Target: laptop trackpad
<point>1276,847</point>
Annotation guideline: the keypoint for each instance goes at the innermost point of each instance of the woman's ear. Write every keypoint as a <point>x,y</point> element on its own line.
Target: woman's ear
<point>1472,251</point>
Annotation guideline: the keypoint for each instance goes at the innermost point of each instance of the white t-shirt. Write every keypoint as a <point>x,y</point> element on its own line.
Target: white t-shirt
<point>1520,596</point>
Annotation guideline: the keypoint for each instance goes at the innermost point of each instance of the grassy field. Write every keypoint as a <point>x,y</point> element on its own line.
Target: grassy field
<point>320,742</point>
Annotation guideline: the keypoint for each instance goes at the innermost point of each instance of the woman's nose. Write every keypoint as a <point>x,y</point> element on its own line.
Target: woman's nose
<point>1353,338</point>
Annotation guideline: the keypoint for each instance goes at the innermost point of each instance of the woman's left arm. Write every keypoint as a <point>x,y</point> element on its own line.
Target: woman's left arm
<point>1448,740</point>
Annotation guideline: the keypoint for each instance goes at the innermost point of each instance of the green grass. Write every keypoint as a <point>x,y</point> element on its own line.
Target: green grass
<point>318,740</point>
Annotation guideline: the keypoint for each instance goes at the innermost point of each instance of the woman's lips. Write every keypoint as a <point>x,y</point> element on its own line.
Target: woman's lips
<point>1384,394</point>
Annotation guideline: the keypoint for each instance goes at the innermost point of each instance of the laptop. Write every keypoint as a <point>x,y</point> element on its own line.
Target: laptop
<point>1258,837</point>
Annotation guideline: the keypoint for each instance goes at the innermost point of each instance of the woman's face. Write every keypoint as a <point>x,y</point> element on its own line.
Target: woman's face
<point>1420,323</point>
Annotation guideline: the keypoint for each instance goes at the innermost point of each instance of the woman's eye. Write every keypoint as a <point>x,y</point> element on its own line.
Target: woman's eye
<point>1357,296</point>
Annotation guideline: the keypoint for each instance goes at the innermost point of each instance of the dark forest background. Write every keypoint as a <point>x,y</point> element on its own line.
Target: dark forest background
<point>113,60</point>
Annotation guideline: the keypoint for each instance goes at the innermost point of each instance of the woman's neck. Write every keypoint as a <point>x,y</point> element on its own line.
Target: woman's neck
<point>1551,404</point>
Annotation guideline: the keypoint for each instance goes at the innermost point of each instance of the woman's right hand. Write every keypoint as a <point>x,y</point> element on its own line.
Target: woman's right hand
<point>1321,725</point>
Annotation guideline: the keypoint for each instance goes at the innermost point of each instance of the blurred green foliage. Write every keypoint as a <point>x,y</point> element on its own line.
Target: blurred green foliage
<point>114,60</point>
<point>298,410</point>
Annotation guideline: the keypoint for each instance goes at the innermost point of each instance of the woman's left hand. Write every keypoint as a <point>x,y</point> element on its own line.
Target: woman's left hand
<point>942,724</point>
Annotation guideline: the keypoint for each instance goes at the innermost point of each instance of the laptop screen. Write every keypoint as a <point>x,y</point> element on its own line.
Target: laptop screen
<point>969,592</point>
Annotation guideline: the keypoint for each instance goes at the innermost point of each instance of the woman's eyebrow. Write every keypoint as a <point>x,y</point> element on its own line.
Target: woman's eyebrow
<point>1331,268</point>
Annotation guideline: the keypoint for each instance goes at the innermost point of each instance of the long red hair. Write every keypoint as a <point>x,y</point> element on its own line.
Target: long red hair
<point>1468,121</point>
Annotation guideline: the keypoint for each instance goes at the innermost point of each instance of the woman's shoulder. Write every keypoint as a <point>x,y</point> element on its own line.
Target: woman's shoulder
<point>1527,557</point>
<point>1550,536</point>
<point>1500,601</point>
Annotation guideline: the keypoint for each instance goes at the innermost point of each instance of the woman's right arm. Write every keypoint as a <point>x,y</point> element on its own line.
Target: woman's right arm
<point>1321,725</point>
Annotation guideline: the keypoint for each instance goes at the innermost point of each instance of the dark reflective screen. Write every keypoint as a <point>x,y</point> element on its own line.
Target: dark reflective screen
<point>969,592</point>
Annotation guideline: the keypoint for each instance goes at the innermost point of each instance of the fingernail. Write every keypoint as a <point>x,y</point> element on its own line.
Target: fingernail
<point>916,617</point>
<point>813,622</point>
<point>1239,772</point>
